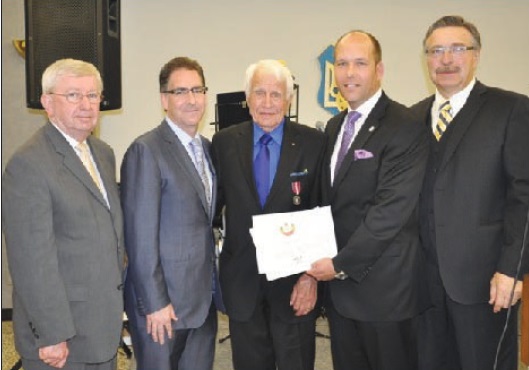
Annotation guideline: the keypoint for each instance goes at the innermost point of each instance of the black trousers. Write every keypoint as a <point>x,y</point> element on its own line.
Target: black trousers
<point>454,336</point>
<point>361,345</point>
<point>267,341</point>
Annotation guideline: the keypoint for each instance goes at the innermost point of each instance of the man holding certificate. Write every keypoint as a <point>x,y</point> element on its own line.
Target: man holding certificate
<point>373,171</point>
<point>267,165</point>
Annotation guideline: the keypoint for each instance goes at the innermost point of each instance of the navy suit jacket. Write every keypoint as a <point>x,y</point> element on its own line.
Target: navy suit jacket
<point>374,205</point>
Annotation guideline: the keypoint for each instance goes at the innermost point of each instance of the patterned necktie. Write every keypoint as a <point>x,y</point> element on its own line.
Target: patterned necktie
<point>198,153</point>
<point>445,117</point>
<point>84,154</point>
<point>262,168</point>
<point>347,137</point>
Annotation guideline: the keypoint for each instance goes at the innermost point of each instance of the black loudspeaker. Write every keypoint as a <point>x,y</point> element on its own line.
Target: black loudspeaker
<point>231,108</point>
<point>88,30</point>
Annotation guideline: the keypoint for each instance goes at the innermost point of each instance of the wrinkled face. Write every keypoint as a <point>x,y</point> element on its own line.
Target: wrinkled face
<point>356,72</point>
<point>451,72</point>
<point>185,110</point>
<point>268,101</point>
<point>79,119</point>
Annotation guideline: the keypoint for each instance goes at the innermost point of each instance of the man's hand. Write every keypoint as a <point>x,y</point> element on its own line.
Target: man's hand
<point>304,295</point>
<point>160,322</point>
<point>322,270</point>
<point>501,287</point>
<point>54,355</point>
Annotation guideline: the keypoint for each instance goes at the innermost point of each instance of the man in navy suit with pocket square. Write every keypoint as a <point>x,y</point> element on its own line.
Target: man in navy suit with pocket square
<point>373,171</point>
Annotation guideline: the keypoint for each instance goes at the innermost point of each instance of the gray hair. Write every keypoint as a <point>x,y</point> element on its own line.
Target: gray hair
<point>454,21</point>
<point>273,67</point>
<point>72,67</point>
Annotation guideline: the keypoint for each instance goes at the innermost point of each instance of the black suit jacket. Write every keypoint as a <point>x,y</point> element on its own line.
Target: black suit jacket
<point>232,148</point>
<point>481,191</point>
<point>374,206</point>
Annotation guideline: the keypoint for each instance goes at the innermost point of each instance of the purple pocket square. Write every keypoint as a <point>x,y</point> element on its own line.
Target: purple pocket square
<point>362,154</point>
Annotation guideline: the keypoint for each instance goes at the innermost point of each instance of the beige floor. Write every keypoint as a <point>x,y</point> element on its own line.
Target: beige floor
<point>223,350</point>
<point>222,355</point>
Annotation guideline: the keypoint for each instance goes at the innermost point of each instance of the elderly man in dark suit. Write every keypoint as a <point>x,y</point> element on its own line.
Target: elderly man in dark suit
<point>373,171</point>
<point>63,227</point>
<point>272,323</point>
<point>168,192</point>
<point>473,206</point>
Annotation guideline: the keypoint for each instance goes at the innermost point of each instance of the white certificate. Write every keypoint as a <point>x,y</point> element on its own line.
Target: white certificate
<point>288,243</point>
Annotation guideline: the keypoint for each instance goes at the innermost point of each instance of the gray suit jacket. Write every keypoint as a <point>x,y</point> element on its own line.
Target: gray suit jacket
<point>168,233</point>
<point>64,247</point>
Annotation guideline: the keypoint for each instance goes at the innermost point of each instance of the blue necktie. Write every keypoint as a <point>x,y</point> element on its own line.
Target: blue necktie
<point>261,167</point>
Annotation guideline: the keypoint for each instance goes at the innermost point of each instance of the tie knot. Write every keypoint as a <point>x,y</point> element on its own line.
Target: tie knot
<point>446,107</point>
<point>195,142</point>
<point>83,147</point>
<point>265,139</point>
<point>353,116</point>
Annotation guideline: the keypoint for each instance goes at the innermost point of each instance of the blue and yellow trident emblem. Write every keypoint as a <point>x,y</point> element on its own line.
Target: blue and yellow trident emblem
<point>329,97</point>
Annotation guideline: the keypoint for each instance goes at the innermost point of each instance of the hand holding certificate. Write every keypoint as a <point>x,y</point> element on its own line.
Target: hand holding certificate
<point>287,243</point>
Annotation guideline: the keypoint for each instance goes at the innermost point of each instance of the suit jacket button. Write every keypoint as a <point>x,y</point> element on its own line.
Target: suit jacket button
<point>120,287</point>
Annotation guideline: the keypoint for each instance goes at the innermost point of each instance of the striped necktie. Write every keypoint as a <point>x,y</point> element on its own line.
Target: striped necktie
<point>445,117</point>
<point>198,154</point>
<point>84,154</point>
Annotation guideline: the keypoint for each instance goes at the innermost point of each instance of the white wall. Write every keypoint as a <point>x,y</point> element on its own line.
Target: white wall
<point>225,36</point>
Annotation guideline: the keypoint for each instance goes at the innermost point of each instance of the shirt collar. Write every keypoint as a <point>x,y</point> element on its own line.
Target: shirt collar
<point>73,143</point>
<point>368,105</point>
<point>456,101</point>
<point>277,133</point>
<point>183,136</point>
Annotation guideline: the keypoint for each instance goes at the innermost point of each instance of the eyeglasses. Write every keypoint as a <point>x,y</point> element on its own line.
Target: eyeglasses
<point>184,91</point>
<point>76,97</point>
<point>455,50</point>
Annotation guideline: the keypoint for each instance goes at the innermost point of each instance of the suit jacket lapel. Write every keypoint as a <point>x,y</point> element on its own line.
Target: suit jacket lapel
<point>462,121</point>
<point>206,145</point>
<point>108,176</point>
<point>181,156</point>
<point>73,163</point>
<point>106,171</point>
<point>290,149</point>
<point>369,127</point>
<point>244,138</point>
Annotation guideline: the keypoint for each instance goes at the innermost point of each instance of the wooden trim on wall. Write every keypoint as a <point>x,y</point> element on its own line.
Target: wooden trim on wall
<point>524,346</point>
